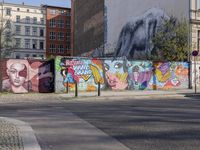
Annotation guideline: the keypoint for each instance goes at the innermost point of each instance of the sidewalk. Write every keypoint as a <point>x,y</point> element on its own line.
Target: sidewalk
<point>16,135</point>
<point>133,94</point>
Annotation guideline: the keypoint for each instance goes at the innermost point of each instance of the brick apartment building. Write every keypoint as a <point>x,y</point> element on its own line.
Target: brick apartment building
<point>58,31</point>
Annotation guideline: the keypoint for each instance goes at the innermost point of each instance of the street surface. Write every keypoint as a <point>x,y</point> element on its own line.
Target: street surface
<point>151,123</point>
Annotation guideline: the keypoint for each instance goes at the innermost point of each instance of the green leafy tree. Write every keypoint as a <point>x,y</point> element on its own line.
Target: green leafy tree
<point>171,41</point>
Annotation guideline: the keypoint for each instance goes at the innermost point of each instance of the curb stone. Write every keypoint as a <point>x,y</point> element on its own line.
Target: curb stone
<point>26,133</point>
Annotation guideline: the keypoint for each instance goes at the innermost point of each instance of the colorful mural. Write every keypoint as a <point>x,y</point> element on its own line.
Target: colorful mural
<point>168,75</point>
<point>85,72</point>
<point>120,74</point>
<point>22,76</point>
<point>139,74</point>
<point>116,74</point>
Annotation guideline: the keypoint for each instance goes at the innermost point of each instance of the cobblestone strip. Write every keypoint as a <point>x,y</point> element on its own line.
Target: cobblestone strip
<point>10,138</point>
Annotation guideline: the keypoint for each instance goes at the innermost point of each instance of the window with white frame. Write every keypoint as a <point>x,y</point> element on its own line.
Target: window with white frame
<point>52,23</point>
<point>17,18</point>
<point>34,31</point>
<point>27,43</point>
<point>42,45</point>
<point>8,11</point>
<point>41,32</point>
<point>42,20</point>
<point>27,19</point>
<point>52,11</point>
<point>52,48</point>
<point>17,29</point>
<point>60,49</point>
<point>52,35</point>
<point>60,23</point>
<point>61,36</point>
<point>35,20</point>
<point>68,36</point>
<point>18,43</point>
<point>27,30</point>
<point>34,44</point>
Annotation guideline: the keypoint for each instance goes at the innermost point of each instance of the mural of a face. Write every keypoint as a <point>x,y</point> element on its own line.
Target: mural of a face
<point>115,74</point>
<point>17,74</point>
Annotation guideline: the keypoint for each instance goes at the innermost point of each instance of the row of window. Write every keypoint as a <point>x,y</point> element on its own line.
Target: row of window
<point>59,23</point>
<point>58,48</point>
<point>28,31</point>
<point>60,36</point>
<point>18,56</point>
<point>27,44</point>
<point>29,20</point>
<point>61,12</point>
<point>8,11</point>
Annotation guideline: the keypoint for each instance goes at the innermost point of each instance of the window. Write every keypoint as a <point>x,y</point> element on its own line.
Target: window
<point>27,19</point>
<point>41,45</point>
<point>52,23</point>
<point>41,32</point>
<point>17,56</point>
<point>52,35</point>
<point>34,44</point>
<point>8,11</point>
<point>62,12</point>
<point>68,24</point>
<point>17,18</point>
<point>60,23</point>
<point>68,47</point>
<point>60,36</point>
<point>27,55</point>
<point>18,29</point>
<point>8,24</point>
<point>68,13</point>
<point>27,43</point>
<point>34,20</point>
<point>18,9</point>
<point>27,30</point>
<point>42,20</point>
<point>27,10</point>
<point>34,31</point>
<point>68,36</point>
<point>52,48</point>
<point>60,49</point>
<point>52,11</point>
<point>17,42</point>
<point>34,55</point>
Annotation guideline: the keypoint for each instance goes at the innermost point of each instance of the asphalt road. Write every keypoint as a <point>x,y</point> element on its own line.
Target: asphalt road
<point>149,124</point>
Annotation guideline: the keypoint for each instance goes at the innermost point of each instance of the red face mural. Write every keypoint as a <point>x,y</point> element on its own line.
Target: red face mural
<point>23,76</point>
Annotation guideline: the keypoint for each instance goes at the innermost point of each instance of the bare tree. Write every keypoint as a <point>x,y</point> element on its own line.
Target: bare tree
<point>6,39</point>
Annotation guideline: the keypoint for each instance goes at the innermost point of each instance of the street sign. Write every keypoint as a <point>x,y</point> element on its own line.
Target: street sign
<point>195,53</point>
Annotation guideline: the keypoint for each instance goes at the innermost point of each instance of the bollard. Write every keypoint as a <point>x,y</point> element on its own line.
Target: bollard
<point>99,89</point>
<point>76,89</point>
<point>67,88</point>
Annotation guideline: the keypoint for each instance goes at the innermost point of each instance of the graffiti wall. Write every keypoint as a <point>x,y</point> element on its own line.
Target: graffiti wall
<point>87,73</point>
<point>23,76</point>
<point>131,25</point>
<point>169,75</point>
<point>119,74</point>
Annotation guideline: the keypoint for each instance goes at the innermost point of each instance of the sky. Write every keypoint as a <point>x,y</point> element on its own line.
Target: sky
<point>62,3</point>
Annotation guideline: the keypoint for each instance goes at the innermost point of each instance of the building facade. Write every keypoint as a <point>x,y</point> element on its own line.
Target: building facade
<point>88,25</point>
<point>58,31</point>
<point>28,30</point>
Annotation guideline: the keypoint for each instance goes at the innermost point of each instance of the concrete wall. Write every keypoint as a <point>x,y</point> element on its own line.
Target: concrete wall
<point>23,76</point>
<point>119,74</point>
